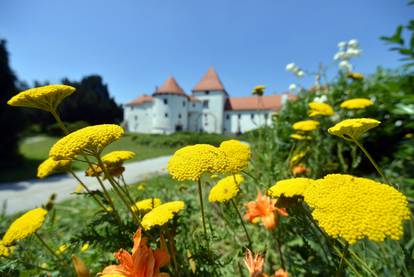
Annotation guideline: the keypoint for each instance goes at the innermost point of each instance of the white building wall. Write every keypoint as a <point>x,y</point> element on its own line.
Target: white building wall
<point>170,113</point>
<point>194,116</point>
<point>245,120</point>
<point>212,110</point>
<point>139,118</point>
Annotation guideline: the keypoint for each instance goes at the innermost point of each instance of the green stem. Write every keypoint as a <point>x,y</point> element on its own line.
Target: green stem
<point>200,194</point>
<point>372,161</point>
<point>59,122</point>
<point>341,263</point>
<point>242,222</point>
<point>87,189</point>
<point>279,249</point>
<point>26,264</point>
<point>49,249</point>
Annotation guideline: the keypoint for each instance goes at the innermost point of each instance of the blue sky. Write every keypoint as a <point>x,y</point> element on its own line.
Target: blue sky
<point>136,45</point>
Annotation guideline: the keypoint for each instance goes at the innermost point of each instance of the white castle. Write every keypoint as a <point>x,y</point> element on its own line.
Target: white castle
<point>209,108</point>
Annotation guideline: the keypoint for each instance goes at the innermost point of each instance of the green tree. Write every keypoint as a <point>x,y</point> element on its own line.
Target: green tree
<point>11,122</point>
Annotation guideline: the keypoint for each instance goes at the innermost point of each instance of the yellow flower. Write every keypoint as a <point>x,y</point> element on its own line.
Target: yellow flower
<point>190,162</point>
<point>117,157</point>
<point>161,214</point>
<point>79,188</point>
<point>50,166</point>
<point>354,208</point>
<point>353,128</point>
<point>356,103</point>
<point>93,139</point>
<point>306,125</point>
<point>226,189</point>
<point>25,225</point>
<point>62,249</point>
<point>45,98</point>
<point>317,108</point>
<point>258,90</point>
<point>141,186</point>
<point>146,204</point>
<point>297,158</point>
<point>4,250</point>
<point>355,76</point>
<point>85,247</point>
<point>237,155</point>
<point>289,187</point>
<point>300,137</point>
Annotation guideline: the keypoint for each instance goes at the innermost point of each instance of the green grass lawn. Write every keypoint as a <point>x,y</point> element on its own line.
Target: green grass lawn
<point>35,149</point>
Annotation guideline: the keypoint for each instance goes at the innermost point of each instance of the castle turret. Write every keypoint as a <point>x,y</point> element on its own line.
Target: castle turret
<point>213,95</point>
<point>170,108</point>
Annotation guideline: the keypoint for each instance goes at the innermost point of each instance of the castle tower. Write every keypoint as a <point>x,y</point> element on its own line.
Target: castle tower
<point>211,92</point>
<point>170,108</point>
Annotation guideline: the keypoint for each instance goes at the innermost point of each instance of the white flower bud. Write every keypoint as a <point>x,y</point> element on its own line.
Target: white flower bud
<point>345,65</point>
<point>353,43</point>
<point>342,45</point>
<point>398,123</point>
<point>292,87</point>
<point>300,73</point>
<point>290,67</point>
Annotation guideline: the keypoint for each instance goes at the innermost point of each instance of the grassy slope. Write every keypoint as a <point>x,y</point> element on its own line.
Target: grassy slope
<point>35,150</point>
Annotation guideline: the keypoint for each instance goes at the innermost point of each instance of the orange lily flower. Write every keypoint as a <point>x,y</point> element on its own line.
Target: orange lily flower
<point>264,209</point>
<point>254,264</point>
<point>281,273</point>
<point>144,261</point>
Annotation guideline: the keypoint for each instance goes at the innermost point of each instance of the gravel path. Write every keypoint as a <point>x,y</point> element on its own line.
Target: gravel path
<point>24,195</point>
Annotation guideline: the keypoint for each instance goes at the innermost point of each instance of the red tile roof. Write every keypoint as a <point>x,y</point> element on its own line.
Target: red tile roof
<point>210,81</point>
<point>267,102</point>
<point>170,87</point>
<point>140,100</point>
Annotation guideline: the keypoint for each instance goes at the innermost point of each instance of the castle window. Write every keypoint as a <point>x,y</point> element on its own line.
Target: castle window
<point>266,116</point>
<point>166,114</point>
<point>179,115</point>
<point>193,105</point>
<point>207,92</point>
<point>136,117</point>
<point>165,101</point>
<point>206,124</point>
<point>183,103</point>
<point>239,115</point>
<point>252,116</point>
<point>205,104</point>
<point>227,116</point>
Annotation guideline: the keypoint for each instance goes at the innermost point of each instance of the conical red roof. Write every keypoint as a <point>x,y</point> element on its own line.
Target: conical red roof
<point>140,100</point>
<point>170,87</point>
<point>210,81</point>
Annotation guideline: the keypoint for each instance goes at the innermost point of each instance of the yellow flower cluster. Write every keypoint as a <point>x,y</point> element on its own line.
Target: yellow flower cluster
<point>354,208</point>
<point>355,76</point>
<point>146,204</point>
<point>115,158</point>
<point>49,166</point>
<point>258,90</point>
<point>226,189</point>
<point>92,138</point>
<point>289,187</point>
<point>161,214</point>
<point>4,250</point>
<point>306,125</point>
<point>237,155</point>
<point>356,103</point>
<point>190,162</point>
<point>353,128</point>
<point>45,98</point>
<point>317,108</point>
<point>25,225</point>
<point>296,158</point>
<point>300,137</point>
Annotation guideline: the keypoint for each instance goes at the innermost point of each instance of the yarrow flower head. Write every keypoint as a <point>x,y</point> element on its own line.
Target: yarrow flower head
<point>264,209</point>
<point>162,214</point>
<point>297,157</point>
<point>300,137</point>
<point>237,155</point>
<point>306,125</point>
<point>355,76</point>
<point>92,138</point>
<point>289,187</point>
<point>4,250</point>
<point>353,128</point>
<point>50,166</point>
<point>320,109</point>
<point>146,204</point>
<point>226,189</point>
<point>258,90</point>
<point>116,158</point>
<point>45,98</point>
<point>143,261</point>
<point>356,103</point>
<point>354,208</point>
<point>25,225</point>
<point>191,162</point>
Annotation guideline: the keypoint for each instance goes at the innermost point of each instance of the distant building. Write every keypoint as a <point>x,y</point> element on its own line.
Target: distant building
<point>209,108</point>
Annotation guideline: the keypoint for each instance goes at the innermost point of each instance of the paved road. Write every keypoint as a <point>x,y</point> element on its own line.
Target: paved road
<point>24,195</point>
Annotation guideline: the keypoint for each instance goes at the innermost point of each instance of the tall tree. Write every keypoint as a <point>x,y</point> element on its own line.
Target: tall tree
<point>11,121</point>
